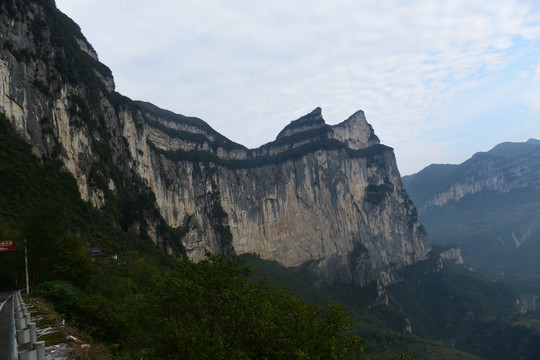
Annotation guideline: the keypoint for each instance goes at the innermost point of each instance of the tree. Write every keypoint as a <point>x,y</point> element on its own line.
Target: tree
<point>12,261</point>
<point>209,310</point>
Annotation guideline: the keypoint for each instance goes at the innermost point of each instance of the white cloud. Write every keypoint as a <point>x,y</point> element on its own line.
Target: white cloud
<point>248,67</point>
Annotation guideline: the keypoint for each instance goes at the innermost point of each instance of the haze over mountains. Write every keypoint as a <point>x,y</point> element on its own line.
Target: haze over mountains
<point>490,206</point>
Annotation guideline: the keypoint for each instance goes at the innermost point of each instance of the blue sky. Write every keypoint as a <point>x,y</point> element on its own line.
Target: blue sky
<point>438,80</point>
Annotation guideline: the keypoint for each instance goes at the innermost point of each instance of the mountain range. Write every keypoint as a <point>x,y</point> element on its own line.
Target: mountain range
<point>490,206</point>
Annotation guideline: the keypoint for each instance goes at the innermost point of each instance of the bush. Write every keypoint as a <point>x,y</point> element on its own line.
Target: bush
<point>65,296</point>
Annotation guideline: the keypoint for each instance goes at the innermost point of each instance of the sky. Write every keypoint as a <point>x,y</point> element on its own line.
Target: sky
<point>437,80</point>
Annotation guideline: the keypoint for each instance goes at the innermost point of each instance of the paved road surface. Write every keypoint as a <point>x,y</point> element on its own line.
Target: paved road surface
<point>5,324</point>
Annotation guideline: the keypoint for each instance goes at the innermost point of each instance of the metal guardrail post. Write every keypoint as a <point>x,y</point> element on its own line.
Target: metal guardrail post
<point>40,350</point>
<point>23,337</point>
<point>27,319</point>
<point>20,321</point>
<point>27,355</point>
<point>33,333</point>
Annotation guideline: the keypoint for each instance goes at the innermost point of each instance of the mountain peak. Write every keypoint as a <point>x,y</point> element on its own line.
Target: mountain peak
<point>356,132</point>
<point>309,121</point>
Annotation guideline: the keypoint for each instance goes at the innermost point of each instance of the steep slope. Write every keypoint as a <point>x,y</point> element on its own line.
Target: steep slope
<point>490,205</point>
<point>327,198</point>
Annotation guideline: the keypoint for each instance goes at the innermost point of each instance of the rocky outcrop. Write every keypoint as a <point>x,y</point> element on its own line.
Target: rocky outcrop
<point>325,198</point>
<point>453,254</point>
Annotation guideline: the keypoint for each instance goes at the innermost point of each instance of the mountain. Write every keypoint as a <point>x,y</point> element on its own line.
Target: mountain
<point>325,198</point>
<point>319,210</point>
<point>490,206</point>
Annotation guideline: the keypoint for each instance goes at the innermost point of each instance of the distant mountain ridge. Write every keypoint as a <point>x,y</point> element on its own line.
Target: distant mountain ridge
<point>490,205</point>
<point>507,166</point>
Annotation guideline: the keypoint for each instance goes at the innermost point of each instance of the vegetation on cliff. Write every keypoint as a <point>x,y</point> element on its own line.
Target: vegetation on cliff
<point>264,160</point>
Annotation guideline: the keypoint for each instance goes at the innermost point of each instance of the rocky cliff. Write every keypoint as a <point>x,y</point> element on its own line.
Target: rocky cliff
<point>326,198</point>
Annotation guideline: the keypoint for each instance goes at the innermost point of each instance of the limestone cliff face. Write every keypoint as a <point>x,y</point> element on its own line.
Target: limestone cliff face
<point>492,174</point>
<point>61,99</point>
<point>326,198</point>
<point>307,199</point>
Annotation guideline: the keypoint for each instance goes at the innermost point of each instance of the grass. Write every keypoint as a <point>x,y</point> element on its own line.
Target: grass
<point>54,338</point>
<point>85,348</point>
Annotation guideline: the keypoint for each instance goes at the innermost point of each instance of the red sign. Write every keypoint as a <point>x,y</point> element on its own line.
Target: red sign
<point>7,245</point>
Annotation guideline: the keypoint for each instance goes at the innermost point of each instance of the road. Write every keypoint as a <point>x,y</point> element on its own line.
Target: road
<point>5,324</point>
